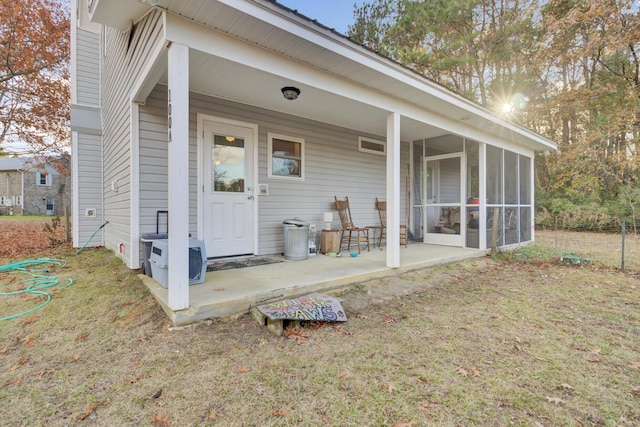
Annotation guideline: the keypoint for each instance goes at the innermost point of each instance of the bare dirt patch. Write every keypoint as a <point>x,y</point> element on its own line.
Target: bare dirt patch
<point>482,342</point>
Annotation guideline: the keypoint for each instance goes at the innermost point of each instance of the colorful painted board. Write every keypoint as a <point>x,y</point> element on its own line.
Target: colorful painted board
<point>313,307</point>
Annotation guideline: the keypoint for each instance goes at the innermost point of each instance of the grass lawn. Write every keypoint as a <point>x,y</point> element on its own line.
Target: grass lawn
<point>484,342</point>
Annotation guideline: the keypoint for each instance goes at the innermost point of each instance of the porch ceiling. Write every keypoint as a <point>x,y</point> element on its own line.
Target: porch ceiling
<point>224,79</point>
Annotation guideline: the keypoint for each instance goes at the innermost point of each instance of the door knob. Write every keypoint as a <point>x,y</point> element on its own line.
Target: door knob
<point>250,197</point>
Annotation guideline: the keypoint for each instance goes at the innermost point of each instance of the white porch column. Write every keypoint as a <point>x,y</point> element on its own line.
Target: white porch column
<point>178,116</point>
<point>482,207</point>
<point>393,190</point>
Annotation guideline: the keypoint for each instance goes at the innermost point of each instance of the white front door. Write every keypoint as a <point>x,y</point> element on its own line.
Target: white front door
<point>228,202</point>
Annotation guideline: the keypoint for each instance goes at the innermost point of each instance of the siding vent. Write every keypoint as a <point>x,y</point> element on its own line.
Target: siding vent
<point>368,145</point>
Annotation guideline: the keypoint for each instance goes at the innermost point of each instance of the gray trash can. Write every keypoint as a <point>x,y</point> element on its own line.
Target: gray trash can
<point>147,242</point>
<point>296,239</point>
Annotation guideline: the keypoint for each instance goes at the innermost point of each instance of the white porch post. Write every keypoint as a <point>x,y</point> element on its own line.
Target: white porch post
<point>178,123</point>
<point>482,207</point>
<point>393,190</point>
<point>532,188</point>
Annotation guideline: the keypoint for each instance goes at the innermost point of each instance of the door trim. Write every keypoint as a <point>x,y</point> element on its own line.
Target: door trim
<point>201,118</point>
<point>457,240</point>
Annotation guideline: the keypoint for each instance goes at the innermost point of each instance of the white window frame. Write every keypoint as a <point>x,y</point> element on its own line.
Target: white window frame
<point>18,200</point>
<point>362,139</point>
<point>39,179</point>
<point>270,156</point>
<point>1,200</point>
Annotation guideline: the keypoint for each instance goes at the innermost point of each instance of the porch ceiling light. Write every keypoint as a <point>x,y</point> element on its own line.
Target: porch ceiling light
<point>290,92</point>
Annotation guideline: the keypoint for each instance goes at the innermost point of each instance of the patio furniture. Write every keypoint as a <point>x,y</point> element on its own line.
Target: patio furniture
<point>381,207</point>
<point>348,228</point>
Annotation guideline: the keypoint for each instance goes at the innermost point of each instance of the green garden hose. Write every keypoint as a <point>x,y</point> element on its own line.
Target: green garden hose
<point>37,283</point>
<point>92,236</point>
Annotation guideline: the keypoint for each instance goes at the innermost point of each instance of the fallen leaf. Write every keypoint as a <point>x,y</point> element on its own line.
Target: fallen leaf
<point>390,318</point>
<point>635,390</point>
<point>30,320</point>
<point>555,400</point>
<point>91,409</point>
<point>326,420</point>
<point>4,350</point>
<point>213,415</point>
<point>158,419</point>
<point>566,386</point>
<point>219,289</point>
<point>81,337</point>
<point>475,372</point>
<point>296,334</point>
<point>243,369</point>
<point>427,406</point>
<point>133,380</point>
<point>12,383</point>
<point>21,362</point>
<point>30,340</point>
<point>635,365</point>
<point>402,424</point>
<point>86,413</point>
<point>462,372</point>
<point>45,371</point>
<point>279,413</point>
<point>75,357</point>
<point>391,387</point>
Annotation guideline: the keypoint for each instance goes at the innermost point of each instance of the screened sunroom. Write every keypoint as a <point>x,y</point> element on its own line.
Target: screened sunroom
<point>470,194</point>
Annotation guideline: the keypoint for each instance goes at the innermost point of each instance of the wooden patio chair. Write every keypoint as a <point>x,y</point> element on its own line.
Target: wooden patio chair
<point>348,228</point>
<point>381,207</point>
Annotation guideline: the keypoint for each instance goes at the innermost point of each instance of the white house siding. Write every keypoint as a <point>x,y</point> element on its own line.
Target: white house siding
<point>86,139</point>
<point>333,167</point>
<point>122,65</point>
<point>153,163</point>
<point>89,191</point>
<point>87,73</point>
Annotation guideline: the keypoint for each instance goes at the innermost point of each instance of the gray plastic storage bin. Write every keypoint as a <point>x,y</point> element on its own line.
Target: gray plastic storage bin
<point>296,239</point>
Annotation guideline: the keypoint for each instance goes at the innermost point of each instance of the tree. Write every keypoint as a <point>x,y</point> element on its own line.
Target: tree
<point>570,69</point>
<point>34,76</point>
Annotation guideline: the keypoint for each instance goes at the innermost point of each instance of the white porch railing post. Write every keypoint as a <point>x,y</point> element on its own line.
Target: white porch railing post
<point>178,136</point>
<point>393,190</point>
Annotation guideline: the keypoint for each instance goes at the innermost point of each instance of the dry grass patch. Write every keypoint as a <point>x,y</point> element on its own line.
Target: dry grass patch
<point>476,343</point>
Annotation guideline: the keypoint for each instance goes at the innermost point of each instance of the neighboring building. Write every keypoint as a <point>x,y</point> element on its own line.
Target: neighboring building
<point>234,115</point>
<point>26,189</point>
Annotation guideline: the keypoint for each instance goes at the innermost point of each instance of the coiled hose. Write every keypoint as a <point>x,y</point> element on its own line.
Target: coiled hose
<point>36,283</point>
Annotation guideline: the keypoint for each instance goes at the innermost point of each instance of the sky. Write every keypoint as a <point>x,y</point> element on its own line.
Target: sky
<point>336,14</point>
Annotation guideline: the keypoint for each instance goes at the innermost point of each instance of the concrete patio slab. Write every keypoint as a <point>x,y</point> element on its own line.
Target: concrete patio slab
<point>234,292</point>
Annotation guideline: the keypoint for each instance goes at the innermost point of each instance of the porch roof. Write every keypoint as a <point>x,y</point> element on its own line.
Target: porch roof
<point>342,82</point>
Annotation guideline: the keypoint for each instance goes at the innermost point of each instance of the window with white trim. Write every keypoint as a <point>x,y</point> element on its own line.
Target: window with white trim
<point>368,145</point>
<point>2,198</point>
<point>43,178</point>
<point>18,200</point>
<point>285,157</point>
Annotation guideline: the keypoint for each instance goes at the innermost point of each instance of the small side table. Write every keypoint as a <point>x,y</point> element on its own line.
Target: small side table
<point>330,241</point>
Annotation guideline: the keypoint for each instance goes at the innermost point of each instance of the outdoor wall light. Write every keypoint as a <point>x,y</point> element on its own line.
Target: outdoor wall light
<point>290,92</point>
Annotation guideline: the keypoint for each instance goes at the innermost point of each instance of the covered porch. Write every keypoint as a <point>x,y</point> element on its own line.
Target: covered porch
<point>235,292</point>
